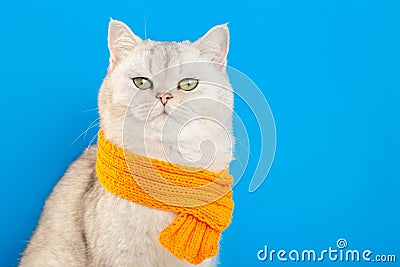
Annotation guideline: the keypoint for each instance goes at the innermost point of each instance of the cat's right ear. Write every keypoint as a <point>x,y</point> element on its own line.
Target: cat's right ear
<point>120,40</point>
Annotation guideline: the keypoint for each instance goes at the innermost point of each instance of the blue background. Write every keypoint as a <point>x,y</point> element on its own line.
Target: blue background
<point>330,72</point>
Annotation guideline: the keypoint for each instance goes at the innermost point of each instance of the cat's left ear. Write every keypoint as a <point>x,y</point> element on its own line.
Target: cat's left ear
<point>214,45</point>
<point>120,40</point>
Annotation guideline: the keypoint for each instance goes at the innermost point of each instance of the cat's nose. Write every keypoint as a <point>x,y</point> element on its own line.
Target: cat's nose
<point>164,97</point>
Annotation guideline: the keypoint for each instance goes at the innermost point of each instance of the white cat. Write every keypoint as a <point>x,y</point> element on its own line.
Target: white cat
<point>167,100</point>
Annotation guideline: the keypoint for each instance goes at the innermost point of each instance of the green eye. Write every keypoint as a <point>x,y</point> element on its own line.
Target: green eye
<point>188,84</point>
<point>142,83</point>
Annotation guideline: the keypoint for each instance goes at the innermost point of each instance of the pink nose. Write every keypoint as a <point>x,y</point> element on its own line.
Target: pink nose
<point>164,97</point>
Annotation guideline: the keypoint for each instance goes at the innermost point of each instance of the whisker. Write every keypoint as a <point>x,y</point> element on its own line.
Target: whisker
<point>91,140</point>
<point>85,131</point>
<point>145,27</point>
<point>91,127</point>
<point>237,141</point>
<point>92,109</point>
<point>188,110</point>
<point>247,149</point>
<point>90,143</point>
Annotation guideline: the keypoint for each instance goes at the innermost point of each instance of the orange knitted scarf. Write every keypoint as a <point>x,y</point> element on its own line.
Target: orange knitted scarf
<point>202,199</point>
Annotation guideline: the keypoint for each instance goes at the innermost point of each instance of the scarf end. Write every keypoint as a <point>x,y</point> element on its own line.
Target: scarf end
<point>189,239</point>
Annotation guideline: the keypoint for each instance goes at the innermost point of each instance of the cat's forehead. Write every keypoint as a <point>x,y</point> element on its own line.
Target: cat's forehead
<point>157,57</point>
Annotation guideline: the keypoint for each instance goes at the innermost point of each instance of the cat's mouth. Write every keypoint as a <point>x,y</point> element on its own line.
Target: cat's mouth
<point>162,114</point>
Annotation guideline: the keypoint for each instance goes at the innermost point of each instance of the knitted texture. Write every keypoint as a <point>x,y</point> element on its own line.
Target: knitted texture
<point>202,199</point>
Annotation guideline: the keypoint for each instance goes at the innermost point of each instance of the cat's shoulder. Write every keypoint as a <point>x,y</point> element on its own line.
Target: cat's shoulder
<point>87,160</point>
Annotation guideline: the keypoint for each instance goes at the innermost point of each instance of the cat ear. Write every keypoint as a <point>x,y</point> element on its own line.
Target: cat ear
<point>120,40</point>
<point>214,45</point>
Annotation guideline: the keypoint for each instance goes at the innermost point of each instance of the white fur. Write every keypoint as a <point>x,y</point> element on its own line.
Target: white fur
<point>83,224</point>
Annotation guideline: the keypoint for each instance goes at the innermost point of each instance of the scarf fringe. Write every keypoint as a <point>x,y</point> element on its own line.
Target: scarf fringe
<point>190,239</point>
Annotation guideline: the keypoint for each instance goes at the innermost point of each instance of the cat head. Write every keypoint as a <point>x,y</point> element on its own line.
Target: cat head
<point>169,100</point>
